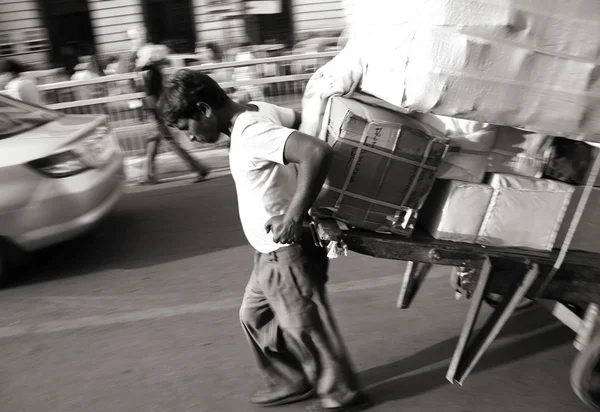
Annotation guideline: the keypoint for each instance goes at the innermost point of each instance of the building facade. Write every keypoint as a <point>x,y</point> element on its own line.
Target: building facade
<point>44,33</point>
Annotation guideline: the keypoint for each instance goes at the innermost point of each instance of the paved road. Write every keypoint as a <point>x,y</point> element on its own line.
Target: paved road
<point>141,316</point>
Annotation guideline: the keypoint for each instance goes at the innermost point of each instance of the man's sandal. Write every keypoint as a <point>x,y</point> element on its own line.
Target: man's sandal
<point>359,403</point>
<point>268,398</point>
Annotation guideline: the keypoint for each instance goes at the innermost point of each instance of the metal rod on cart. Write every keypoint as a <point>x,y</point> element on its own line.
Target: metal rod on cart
<point>470,320</point>
<point>466,358</point>
<point>586,327</point>
<point>587,191</point>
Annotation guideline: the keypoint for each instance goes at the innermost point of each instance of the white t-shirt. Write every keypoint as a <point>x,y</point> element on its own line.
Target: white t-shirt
<point>86,92</point>
<point>24,89</point>
<point>265,185</point>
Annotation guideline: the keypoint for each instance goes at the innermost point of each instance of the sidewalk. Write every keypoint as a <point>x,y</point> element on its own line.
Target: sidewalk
<point>170,165</point>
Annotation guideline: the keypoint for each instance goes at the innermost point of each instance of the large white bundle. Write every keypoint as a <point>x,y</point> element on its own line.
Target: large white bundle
<point>522,63</point>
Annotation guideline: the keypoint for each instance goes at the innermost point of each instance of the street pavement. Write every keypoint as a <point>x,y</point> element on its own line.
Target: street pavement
<point>141,315</point>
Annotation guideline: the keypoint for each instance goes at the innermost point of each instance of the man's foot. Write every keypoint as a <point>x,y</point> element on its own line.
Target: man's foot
<point>148,181</point>
<point>270,398</point>
<point>359,403</point>
<point>201,177</point>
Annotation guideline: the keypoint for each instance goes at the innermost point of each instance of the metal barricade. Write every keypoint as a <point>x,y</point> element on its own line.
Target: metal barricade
<point>277,80</point>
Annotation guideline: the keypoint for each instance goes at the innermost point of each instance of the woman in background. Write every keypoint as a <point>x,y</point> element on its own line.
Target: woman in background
<point>153,87</point>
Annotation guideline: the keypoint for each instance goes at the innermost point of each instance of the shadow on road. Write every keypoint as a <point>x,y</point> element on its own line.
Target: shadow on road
<point>147,228</point>
<point>388,383</point>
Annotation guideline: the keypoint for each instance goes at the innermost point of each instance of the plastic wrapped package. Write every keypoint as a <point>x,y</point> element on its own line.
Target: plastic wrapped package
<point>470,147</point>
<point>522,63</point>
<point>520,152</point>
<point>524,212</point>
<point>587,233</point>
<point>508,211</point>
<point>455,210</point>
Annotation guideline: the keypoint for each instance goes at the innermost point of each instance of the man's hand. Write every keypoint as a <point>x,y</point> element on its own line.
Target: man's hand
<point>285,231</point>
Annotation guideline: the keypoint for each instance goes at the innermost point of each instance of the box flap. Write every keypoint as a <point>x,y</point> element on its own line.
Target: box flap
<point>373,114</point>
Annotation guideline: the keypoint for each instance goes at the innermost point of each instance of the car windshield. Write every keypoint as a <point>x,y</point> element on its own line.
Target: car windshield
<point>17,117</point>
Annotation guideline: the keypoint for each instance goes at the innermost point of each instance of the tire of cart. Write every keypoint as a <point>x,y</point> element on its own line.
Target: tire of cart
<point>585,374</point>
<point>3,269</point>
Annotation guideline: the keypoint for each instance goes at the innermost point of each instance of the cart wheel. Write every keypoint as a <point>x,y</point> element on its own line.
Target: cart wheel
<point>585,374</point>
<point>3,271</point>
<point>494,300</point>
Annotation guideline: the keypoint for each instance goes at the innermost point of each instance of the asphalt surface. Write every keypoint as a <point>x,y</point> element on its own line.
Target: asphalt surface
<point>142,315</point>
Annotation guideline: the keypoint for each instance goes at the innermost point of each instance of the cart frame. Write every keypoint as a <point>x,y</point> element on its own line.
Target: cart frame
<point>572,294</point>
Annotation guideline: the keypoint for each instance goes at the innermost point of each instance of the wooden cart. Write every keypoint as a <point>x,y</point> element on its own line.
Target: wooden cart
<point>572,293</point>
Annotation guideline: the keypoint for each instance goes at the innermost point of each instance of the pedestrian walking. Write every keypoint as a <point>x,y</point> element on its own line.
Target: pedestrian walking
<point>153,87</point>
<point>88,70</point>
<point>246,93</point>
<point>18,85</point>
<point>278,173</point>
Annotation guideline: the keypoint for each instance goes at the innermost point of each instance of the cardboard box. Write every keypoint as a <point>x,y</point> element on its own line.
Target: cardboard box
<point>455,210</point>
<point>524,212</point>
<point>587,233</point>
<point>520,152</point>
<point>383,167</point>
<point>530,64</point>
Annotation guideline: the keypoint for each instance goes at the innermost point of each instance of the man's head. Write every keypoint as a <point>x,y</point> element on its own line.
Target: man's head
<point>138,36</point>
<point>10,68</point>
<point>195,103</point>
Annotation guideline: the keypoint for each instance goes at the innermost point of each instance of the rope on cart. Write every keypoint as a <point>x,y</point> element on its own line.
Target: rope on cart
<point>587,190</point>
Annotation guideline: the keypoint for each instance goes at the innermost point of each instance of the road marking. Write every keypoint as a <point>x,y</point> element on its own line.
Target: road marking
<point>165,312</point>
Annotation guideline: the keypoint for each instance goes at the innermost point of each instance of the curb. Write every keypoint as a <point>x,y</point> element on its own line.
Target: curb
<point>169,163</point>
<point>179,180</point>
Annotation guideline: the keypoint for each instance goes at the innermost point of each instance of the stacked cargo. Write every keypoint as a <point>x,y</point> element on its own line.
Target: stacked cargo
<point>532,65</point>
<point>520,63</point>
<point>384,166</point>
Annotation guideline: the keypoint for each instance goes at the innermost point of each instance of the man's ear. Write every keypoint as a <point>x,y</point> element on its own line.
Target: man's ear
<point>204,109</point>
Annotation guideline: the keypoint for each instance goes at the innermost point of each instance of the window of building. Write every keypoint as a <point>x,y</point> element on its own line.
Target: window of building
<point>35,40</point>
<point>7,45</point>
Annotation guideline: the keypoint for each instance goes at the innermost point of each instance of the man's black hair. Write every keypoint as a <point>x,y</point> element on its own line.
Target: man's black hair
<point>153,80</point>
<point>11,66</point>
<point>185,90</point>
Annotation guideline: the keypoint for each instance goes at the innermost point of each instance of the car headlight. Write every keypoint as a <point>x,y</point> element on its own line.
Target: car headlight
<point>60,165</point>
<point>91,152</point>
<point>97,149</point>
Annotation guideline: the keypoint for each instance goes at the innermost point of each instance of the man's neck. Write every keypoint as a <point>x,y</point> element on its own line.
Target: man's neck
<point>231,112</point>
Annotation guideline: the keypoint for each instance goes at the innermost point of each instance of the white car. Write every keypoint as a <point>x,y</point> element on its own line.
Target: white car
<point>59,175</point>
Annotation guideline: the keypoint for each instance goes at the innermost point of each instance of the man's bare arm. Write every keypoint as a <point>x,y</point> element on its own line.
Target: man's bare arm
<point>297,120</point>
<point>313,158</point>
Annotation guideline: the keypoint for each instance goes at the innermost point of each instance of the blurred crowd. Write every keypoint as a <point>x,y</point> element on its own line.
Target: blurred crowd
<point>148,60</point>
<point>83,65</point>
<point>20,82</point>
